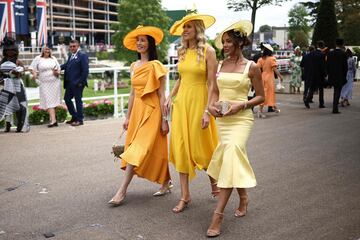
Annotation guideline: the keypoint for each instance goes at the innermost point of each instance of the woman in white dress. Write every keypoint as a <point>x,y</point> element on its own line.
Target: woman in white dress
<point>46,69</point>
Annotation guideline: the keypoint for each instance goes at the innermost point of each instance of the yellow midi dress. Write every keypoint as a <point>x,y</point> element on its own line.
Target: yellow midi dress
<point>145,147</point>
<point>229,164</point>
<point>191,146</point>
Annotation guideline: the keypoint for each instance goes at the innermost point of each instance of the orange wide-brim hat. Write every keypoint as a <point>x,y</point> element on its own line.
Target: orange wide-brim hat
<point>177,28</point>
<point>130,38</point>
<point>244,27</point>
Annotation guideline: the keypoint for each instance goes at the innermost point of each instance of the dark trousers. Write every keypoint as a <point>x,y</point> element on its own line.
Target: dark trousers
<point>74,92</point>
<point>306,91</point>
<point>337,92</point>
<point>309,93</point>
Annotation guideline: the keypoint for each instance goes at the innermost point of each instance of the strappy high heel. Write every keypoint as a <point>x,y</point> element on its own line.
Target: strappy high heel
<point>214,193</point>
<point>242,210</point>
<point>178,209</point>
<point>163,191</point>
<point>210,233</point>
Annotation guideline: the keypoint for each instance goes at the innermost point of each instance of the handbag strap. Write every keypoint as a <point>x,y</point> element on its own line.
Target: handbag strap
<point>121,135</point>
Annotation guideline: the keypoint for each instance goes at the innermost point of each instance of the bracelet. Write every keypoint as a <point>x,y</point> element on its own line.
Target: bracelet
<point>245,105</point>
<point>164,118</point>
<point>207,112</point>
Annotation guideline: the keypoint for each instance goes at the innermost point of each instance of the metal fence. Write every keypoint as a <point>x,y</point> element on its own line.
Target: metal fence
<point>120,99</point>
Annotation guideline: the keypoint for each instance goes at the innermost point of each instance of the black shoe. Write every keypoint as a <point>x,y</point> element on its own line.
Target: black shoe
<point>55,124</point>
<point>322,106</point>
<point>307,105</point>
<point>311,101</point>
<point>335,112</point>
<point>7,127</point>
<point>71,121</point>
<point>271,109</point>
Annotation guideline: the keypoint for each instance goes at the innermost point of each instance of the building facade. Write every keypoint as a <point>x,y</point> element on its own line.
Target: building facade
<point>88,21</point>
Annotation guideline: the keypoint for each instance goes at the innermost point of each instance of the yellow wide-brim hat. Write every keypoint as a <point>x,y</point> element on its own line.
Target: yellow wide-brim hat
<point>177,28</point>
<point>130,38</point>
<point>268,46</point>
<point>245,27</point>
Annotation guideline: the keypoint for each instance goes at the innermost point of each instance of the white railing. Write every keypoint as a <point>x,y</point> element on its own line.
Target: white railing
<point>116,96</point>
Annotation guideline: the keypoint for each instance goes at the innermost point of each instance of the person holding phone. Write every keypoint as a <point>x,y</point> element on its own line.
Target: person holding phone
<point>46,69</point>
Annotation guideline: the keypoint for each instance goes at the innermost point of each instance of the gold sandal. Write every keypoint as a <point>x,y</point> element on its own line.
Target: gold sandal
<point>178,209</point>
<point>242,210</point>
<point>214,233</point>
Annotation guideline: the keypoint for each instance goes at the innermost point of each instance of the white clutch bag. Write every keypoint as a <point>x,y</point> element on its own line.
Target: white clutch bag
<point>280,87</point>
<point>225,106</point>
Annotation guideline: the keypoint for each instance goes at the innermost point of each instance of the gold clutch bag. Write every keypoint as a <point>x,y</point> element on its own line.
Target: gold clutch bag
<point>118,146</point>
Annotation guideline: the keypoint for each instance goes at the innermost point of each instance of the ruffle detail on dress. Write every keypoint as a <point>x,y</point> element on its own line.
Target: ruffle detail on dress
<point>231,168</point>
<point>156,71</point>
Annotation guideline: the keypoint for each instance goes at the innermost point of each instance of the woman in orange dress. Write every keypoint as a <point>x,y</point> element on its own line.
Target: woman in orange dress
<point>268,66</point>
<point>146,153</point>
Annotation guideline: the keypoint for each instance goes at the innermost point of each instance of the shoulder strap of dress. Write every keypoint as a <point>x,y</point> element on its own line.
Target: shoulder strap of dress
<point>219,67</point>
<point>247,67</point>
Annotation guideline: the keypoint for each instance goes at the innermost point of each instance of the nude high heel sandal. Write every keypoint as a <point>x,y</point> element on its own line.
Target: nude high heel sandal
<point>242,210</point>
<point>211,233</point>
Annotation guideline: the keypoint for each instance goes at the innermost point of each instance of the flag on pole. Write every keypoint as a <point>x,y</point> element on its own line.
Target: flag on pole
<point>7,17</point>
<point>41,22</point>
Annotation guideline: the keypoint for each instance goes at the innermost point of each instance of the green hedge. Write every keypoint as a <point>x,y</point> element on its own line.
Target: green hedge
<point>99,109</point>
<point>40,116</point>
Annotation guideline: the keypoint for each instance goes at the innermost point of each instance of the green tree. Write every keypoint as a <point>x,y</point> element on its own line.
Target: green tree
<point>312,9</point>
<point>265,28</point>
<point>326,24</point>
<point>253,5</point>
<point>299,26</point>
<point>132,13</point>
<point>347,12</point>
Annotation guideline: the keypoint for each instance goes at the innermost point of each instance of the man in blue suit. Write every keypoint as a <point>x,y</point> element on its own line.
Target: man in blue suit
<point>75,79</point>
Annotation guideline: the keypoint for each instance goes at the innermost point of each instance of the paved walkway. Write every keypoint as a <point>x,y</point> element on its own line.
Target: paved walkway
<point>306,162</point>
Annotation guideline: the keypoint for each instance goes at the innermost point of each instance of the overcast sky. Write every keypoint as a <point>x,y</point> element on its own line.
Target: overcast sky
<point>270,15</point>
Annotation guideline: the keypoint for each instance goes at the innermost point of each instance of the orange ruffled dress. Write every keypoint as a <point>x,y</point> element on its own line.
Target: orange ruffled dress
<point>268,78</point>
<point>145,147</point>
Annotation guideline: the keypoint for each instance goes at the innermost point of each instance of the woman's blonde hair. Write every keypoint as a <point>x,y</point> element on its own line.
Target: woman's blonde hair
<point>43,51</point>
<point>200,39</point>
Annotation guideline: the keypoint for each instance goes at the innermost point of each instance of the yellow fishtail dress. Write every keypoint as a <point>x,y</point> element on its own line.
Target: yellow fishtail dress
<point>191,146</point>
<point>230,165</point>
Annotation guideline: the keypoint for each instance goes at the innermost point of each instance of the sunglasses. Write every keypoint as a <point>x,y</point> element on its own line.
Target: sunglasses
<point>72,46</point>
